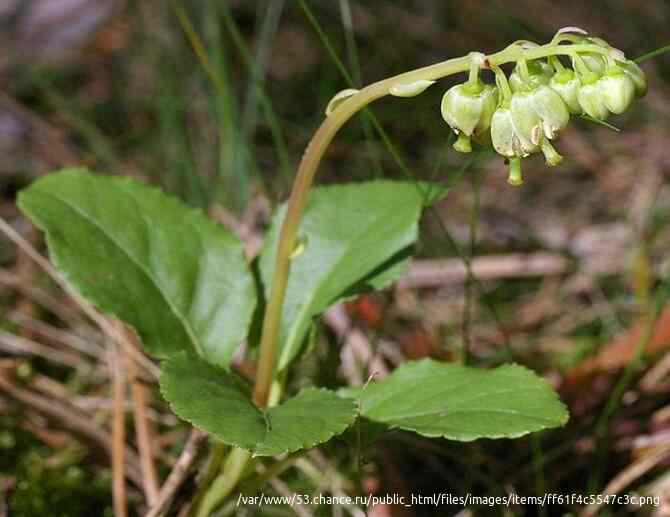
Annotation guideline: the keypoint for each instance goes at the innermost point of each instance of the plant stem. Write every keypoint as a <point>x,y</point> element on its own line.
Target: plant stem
<point>216,457</point>
<point>224,484</point>
<point>310,162</point>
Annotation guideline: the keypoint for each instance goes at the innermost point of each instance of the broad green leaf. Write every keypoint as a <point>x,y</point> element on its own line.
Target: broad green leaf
<point>218,402</point>
<point>176,276</point>
<point>357,237</point>
<point>462,403</point>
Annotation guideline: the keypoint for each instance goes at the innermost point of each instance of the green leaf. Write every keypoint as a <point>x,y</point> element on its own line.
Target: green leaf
<point>176,276</point>
<point>357,237</point>
<point>218,402</point>
<point>462,403</point>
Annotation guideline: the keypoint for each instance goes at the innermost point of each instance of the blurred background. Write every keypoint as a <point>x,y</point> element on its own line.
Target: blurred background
<point>215,101</point>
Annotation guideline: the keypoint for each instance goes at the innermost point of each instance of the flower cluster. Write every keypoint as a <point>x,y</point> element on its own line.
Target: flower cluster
<point>522,114</point>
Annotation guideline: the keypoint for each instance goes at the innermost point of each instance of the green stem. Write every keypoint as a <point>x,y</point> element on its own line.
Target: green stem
<point>503,86</point>
<point>216,458</point>
<point>566,36</point>
<point>580,67</point>
<point>310,162</point>
<point>224,484</point>
<point>523,70</point>
<point>473,77</point>
<point>556,63</point>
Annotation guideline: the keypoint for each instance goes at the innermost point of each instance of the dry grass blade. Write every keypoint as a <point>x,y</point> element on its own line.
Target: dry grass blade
<point>57,335</point>
<point>630,474</point>
<point>118,433</point>
<point>434,273</point>
<point>71,418</point>
<point>17,345</point>
<point>143,430</point>
<point>179,473</point>
<point>42,297</point>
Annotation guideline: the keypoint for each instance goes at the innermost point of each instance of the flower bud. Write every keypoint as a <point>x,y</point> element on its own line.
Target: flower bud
<point>539,73</point>
<point>538,113</point>
<point>632,70</point>
<point>591,98</point>
<point>504,136</point>
<point>551,109</point>
<point>567,85</point>
<point>468,110</point>
<point>527,123</point>
<point>506,142</point>
<point>617,89</point>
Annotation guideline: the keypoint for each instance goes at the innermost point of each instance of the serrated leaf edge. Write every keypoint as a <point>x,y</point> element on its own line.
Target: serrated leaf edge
<point>305,445</point>
<point>505,367</point>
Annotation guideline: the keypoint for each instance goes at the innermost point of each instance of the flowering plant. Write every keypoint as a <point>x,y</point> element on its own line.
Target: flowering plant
<point>183,284</point>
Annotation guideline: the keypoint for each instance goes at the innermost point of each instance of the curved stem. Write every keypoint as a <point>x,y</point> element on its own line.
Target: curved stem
<point>503,86</point>
<point>523,69</point>
<point>310,162</point>
<point>473,77</point>
<point>556,63</point>
<point>580,67</point>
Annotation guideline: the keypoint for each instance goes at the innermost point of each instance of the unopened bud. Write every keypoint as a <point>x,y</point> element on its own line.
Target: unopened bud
<point>567,85</point>
<point>632,70</point>
<point>504,135</point>
<point>527,123</point>
<point>468,110</point>
<point>551,109</point>
<point>594,63</point>
<point>618,90</point>
<point>591,98</point>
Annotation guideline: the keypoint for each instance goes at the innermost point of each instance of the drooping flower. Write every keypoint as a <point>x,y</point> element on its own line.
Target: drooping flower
<point>632,70</point>
<point>468,109</point>
<point>617,89</point>
<point>566,84</point>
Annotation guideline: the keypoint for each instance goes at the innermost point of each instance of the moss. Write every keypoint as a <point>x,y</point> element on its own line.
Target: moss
<point>67,491</point>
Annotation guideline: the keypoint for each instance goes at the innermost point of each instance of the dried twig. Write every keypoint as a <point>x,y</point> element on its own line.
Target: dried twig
<point>435,273</point>
<point>17,345</point>
<point>356,347</point>
<point>630,474</point>
<point>45,299</point>
<point>57,335</point>
<point>178,473</point>
<point>143,430</point>
<point>118,433</point>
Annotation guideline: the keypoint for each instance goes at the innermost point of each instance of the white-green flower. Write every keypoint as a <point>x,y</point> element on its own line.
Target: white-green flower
<point>618,90</point>
<point>632,70</point>
<point>591,97</point>
<point>567,85</point>
<point>468,109</point>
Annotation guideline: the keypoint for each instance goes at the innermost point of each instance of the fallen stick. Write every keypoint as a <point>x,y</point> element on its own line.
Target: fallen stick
<point>435,273</point>
<point>179,473</point>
